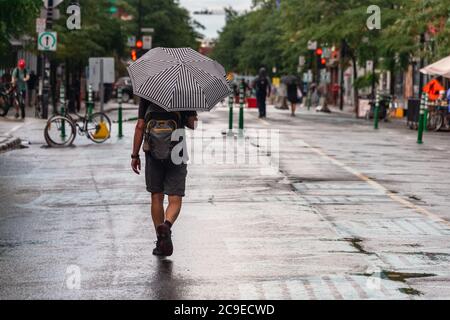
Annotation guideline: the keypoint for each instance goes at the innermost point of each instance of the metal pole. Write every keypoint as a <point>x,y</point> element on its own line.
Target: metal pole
<point>102,87</point>
<point>241,108</point>
<point>62,102</point>
<point>119,98</point>
<point>46,65</point>
<point>90,104</point>
<point>421,118</point>
<point>230,118</point>
<point>376,112</point>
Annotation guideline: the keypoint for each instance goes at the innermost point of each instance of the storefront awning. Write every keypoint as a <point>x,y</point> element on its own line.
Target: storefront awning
<point>440,68</point>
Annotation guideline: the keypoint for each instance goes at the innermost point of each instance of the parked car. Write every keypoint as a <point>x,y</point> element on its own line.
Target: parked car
<point>127,89</point>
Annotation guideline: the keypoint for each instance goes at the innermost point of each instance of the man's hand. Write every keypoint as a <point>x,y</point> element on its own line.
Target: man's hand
<point>136,165</point>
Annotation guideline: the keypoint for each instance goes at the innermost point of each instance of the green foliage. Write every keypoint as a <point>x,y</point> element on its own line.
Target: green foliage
<point>16,18</point>
<point>330,22</point>
<point>251,41</point>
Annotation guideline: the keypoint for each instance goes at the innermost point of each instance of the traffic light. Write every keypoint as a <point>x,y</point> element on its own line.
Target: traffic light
<point>319,52</point>
<point>112,9</point>
<point>323,61</point>
<point>133,55</point>
<point>139,44</point>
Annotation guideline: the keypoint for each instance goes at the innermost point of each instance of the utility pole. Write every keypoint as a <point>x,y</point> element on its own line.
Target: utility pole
<point>422,61</point>
<point>342,55</point>
<point>139,33</point>
<point>46,65</point>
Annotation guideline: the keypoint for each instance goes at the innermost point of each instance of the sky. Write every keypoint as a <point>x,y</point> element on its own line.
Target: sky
<point>213,23</point>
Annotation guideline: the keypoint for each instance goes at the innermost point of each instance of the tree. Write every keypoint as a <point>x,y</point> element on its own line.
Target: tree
<point>16,19</point>
<point>250,41</point>
<point>172,24</point>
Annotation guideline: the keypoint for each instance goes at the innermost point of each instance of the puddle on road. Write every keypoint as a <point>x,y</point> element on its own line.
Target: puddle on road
<point>356,243</point>
<point>403,276</point>
<point>411,291</point>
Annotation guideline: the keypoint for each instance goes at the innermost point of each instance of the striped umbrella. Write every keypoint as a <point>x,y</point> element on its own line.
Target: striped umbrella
<point>179,79</point>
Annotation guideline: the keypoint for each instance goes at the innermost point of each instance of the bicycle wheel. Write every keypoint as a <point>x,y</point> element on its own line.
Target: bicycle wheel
<point>59,132</point>
<point>99,128</point>
<point>439,122</point>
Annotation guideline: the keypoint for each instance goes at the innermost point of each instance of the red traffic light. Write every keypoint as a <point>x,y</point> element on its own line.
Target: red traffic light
<point>133,55</point>
<point>319,51</point>
<point>139,44</point>
<point>324,61</point>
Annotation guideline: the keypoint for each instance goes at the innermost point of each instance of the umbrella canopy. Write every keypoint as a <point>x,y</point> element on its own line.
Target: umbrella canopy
<point>440,68</point>
<point>289,79</point>
<point>179,79</point>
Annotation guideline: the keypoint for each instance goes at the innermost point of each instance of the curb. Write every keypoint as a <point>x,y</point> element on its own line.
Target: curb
<point>9,144</point>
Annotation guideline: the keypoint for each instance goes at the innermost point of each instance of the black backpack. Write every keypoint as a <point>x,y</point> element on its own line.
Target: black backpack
<point>159,127</point>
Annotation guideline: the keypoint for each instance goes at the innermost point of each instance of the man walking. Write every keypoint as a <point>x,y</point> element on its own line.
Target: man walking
<point>20,77</point>
<point>165,169</point>
<point>263,88</point>
<point>31,96</point>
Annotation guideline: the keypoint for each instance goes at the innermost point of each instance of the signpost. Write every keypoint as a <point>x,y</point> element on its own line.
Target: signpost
<point>101,71</point>
<point>47,41</point>
<point>40,25</point>
<point>131,41</point>
<point>53,3</point>
<point>147,42</point>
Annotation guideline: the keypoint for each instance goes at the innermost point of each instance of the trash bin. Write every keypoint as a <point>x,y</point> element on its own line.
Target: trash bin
<point>252,103</point>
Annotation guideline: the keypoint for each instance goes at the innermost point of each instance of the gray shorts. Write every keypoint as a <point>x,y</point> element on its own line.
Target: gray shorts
<point>162,176</point>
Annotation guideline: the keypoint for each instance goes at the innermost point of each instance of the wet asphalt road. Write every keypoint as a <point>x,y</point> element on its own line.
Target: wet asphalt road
<point>348,213</point>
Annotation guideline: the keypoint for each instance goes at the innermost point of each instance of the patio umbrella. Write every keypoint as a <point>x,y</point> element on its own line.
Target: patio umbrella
<point>179,79</point>
<point>440,68</point>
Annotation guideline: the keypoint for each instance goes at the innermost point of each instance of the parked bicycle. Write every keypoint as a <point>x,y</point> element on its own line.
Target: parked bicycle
<point>61,130</point>
<point>9,98</point>
<point>441,119</point>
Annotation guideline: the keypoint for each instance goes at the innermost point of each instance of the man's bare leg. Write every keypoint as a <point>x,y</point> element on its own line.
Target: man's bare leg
<point>174,208</point>
<point>157,208</point>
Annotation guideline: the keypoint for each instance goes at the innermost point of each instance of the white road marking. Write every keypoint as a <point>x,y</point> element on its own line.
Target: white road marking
<point>14,129</point>
<point>248,292</point>
<point>372,183</point>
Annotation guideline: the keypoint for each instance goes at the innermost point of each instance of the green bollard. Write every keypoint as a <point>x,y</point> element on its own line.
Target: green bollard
<point>376,113</point>
<point>421,120</point>
<point>230,118</point>
<point>425,115</point>
<point>63,111</point>
<point>241,109</point>
<point>119,98</point>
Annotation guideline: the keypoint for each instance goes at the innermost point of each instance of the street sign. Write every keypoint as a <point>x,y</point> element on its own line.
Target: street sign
<point>147,40</point>
<point>326,53</point>
<point>55,3</point>
<point>301,61</point>
<point>369,64</point>
<point>312,45</point>
<point>47,41</point>
<point>308,76</point>
<point>40,25</point>
<point>147,30</point>
<point>131,42</point>
<point>94,72</point>
<point>325,76</point>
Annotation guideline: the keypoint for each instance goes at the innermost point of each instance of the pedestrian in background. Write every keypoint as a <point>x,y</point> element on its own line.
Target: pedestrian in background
<point>20,77</point>
<point>448,99</point>
<point>263,88</point>
<point>31,94</point>
<point>294,96</point>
